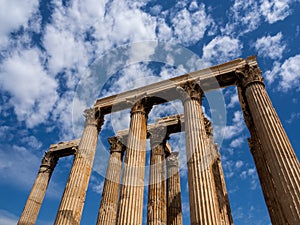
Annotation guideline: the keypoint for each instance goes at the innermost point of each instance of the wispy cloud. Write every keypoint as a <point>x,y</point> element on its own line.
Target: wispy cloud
<point>22,159</point>
<point>294,116</point>
<point>8,218</point>
<point>190,27</point>
<point>275,10</point>
<point>19,14</point>
<point>222,49</point>
<point>287,73</point>
<point>245,17</point>
<point>235,129</point>
<point>33,91</point>
<point>270,46</point>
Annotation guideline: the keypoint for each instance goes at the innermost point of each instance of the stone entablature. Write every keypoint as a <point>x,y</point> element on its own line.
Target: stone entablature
<point>211,78</point>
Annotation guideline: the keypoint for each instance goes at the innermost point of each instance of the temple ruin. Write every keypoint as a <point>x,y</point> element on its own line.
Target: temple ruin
<point>122,197</point>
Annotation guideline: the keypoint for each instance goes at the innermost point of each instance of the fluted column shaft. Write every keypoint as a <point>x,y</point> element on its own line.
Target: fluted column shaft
<point>266,181</point>
<point>174,209</point>
<point>132,191</point>
<point>284,166</point>
<point>38,191</point>
<point>72,202</point>
<point>157,209</point>
<point>220,190</point>
<point>203,203</point>
<point>262,167</point>
<point>107,214</point>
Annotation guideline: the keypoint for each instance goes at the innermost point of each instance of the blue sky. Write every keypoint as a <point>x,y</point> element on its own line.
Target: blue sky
<point>46,52</point>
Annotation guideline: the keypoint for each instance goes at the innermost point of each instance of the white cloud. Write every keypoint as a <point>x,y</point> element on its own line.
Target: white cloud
<point>245,17</point>
<point>166,109</point>
<point>271,75</point>
<point>120,120</point>
<point>131,77</point>
<point>64,50</point>
<point>288,74</point>
<point>239,164</point>
<point>96,184</point>
<point>243,175</point>
<point>221,49</point>
<point>6,133</point>
<point>294,116</point>
<point>185,208</point>
<point>108,25</point>
<point>270,46</point>
<point>229,168</point>
<point>252,176</point>
<point>190,27</point>
<point>124,22</point>
<point>18,166</point>
<point>32,90</point>
<point>193,6</point>
<point>62,112</point>
<point>156,10</point>
<point>32,142</point>
<point>8,218</point>
<point>236,128</point>
<point>14,14</point>
<point>165,32</point>
<point>234,100</point>
<point>275,10</point>
<point>251,172</point>
<point>177,143</point>
<point>237,142</point>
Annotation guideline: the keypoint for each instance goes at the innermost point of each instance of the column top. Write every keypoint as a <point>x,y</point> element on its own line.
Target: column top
<point>94,116</point>
<point>116,145</point>
<point>248,74</point>
<point>158,135</point>
<point>173,159</point>
<point>49,160</point>
<point>190,90</point>
<point>142,104</point>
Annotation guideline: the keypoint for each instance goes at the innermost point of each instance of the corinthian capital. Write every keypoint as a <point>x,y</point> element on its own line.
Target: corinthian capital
<point>158,135</point>
<point>173,160</point>
<point>49,162</point>
<point>142,105</point>
<point>248,74</point>
<point>115,145</point>
<point>190,90</point>
<point>94,117</point>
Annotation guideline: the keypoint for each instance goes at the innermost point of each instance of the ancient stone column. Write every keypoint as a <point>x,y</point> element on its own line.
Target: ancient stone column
<point>283,165</point>
<point>203,203</point>
<point>107,214</point>
<point>262,167</point>
<point>220,189</point>
<point>132,191</point>
<point>174,209</point>
<point>72,202</point>
<point>38,191</point>
<point>157,208</point>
